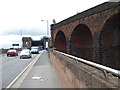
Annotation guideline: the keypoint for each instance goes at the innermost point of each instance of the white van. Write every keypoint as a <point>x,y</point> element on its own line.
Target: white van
<point>34,50</point>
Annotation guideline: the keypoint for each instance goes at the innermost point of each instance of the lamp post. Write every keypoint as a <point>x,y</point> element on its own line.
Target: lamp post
<point>46,42</point>
<point>21,34</point>
<point>47,27</point>
<point>21,38</point>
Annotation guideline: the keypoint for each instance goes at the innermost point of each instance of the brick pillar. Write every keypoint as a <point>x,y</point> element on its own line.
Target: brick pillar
<point>69,44</point>
<point>52,35</point>
<point>96,47</point>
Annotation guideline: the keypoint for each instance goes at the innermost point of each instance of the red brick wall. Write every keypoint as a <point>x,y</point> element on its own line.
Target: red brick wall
<point>95,24</point>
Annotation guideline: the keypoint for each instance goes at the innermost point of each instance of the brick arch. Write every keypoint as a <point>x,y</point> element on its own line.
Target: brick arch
<point>111,31</point>
<point>110,42</point>
<point>82,42</point>
<point>60,42</point>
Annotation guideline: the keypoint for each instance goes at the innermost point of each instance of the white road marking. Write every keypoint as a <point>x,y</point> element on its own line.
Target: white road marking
<point>17,84</point>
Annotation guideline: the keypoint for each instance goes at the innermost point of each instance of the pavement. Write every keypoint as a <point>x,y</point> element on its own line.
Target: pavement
<point>41,75</point>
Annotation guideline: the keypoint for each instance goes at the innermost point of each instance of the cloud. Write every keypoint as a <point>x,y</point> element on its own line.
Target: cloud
<point>31,31</point>
<point>8,40</point>
<point>114,0</point>
<point>20,13</point>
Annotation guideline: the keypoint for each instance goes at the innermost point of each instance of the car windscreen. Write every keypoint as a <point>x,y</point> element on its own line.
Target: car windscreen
<point>11,50</point>
<point>34,47</point>
<point>25,51</point>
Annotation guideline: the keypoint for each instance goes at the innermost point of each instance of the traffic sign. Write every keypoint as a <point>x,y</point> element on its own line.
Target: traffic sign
<point>15,44</point>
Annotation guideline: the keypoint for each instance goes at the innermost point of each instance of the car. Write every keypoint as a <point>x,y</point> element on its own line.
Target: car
<point>34,50</point>
<point>40,48</point>
<point>12,52</point>
<point>25,54</point>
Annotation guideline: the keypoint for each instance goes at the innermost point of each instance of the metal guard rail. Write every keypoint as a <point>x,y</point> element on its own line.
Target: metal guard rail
<point>108,69</point>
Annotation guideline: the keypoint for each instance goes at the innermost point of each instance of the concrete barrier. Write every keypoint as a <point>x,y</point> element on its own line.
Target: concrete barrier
<point>3,51</point>
<point>74,74</point>
<point>0,51</point>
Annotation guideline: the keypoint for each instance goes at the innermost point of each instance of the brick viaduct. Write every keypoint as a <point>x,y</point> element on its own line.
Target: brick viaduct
<point>92,35</point>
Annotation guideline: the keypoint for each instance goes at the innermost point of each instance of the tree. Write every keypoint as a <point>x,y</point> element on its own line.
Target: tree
<point>54,22</point>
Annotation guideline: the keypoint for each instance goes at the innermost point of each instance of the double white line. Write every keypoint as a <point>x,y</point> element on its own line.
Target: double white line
<point>23,74</point>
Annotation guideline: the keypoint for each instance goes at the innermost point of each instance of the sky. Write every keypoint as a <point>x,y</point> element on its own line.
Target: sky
<point>19,18</point>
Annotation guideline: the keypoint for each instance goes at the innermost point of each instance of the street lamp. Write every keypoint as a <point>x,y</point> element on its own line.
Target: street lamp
<point>46,43</point>
<point>47,27</point>
<point>21,33</point>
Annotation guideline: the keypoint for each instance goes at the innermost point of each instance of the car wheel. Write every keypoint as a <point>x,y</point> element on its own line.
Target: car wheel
<point>8,55</point>
<point>29,56</point>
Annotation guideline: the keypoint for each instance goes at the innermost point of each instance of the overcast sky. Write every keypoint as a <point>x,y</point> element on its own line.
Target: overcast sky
<point>25,16</point>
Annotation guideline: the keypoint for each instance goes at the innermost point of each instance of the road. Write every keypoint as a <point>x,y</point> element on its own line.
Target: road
<point>11,67</point>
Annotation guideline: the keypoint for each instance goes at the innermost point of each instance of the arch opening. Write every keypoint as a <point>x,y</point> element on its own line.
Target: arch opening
<point>110,42</point>
<point>60,42</point>
<point>82,42</point>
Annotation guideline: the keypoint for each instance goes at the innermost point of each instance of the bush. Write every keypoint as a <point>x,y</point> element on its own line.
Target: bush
<point>50,46</point>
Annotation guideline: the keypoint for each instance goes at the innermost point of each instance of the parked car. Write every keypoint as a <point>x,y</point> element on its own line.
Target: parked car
<point>34,50</point>
<point>12,52</point>
<point>25,54</point>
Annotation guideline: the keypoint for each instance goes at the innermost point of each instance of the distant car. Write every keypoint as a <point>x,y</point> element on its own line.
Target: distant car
<point>34,50</point>
<point>12,52</point>
<point>40,48</point>
<point>25,54</point>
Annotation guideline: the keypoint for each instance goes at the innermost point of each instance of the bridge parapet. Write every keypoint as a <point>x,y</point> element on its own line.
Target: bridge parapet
<point>73,74</point>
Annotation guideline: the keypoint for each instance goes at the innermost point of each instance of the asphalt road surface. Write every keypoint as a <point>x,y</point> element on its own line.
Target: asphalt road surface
<point>11,67</point>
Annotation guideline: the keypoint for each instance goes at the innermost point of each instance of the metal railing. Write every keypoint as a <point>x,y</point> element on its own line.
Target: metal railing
<point>108,69</point>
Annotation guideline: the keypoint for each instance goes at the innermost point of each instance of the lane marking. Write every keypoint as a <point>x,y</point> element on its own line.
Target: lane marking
<point>24,72</point>
<point>28,59</point>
